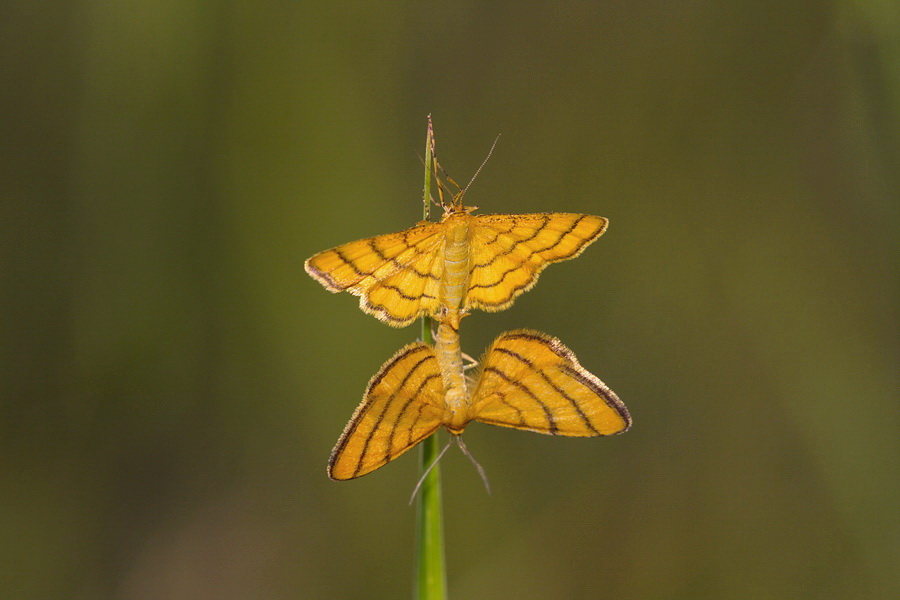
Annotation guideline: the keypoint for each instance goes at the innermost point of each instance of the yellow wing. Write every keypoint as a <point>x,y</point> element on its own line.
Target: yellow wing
<point>396,275</point>
<point>508,252</point>
<point>401,407</point>
<point>531,381</point>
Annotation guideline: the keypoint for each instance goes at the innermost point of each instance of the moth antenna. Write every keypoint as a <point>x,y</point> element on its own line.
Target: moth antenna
<point>428,470</point>
<point>478,467</point>
<point>440,188</point>
<point>445,186</point>
<point>484,162</point>
<point>436,166</point>
<point>446,176</point>
<point>431,147</point>
<point>430,136</point>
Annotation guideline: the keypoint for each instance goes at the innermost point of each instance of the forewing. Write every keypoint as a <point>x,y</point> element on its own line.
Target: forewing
<point>401,407</point>
<point>530,380</point>
<point>395,275</point>
<point>509,252</point>
<point>407,294</point>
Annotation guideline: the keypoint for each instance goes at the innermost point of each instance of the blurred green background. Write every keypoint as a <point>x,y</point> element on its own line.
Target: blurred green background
<point>172,381</point>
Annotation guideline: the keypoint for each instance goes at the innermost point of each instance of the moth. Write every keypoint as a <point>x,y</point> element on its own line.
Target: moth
<point>528,380</point>
<point>463,262</point>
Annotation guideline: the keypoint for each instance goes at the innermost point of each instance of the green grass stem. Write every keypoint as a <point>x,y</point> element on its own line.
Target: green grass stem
<point>431,572</point>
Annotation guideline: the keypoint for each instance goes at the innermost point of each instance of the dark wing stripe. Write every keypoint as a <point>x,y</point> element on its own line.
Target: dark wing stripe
<point>322,275</point>
<point>517,356</point>
<point>585,378</point>
<point>517,243</point>
<point>371,243</point>
<point>521,335</point>
<point>354,424</point>
<point>537,232</point>
<point>520,266</point>
<point>513,292</point>
<point>383,311</point>
<point>502,399</point>
<point>584,242</point>
<point>500,280</point>
<point>409,438</point>
<point>397,264</point>
<point>497,234</point>
<point>551,422</point>
<point>361,274</point>
<point>575,404</point>
<point>406,405</point>
<point>601,390</point>
<point>387,405</point>
<point>389,366</point>
<point>562,235</point>
<point>396,289</point>
<point>383,314</point>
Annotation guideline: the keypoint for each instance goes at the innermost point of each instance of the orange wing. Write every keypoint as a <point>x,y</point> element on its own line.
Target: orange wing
<point>396,275</point>
<point>508,252</point>
<point>401,407</point>
<point>531,381</point>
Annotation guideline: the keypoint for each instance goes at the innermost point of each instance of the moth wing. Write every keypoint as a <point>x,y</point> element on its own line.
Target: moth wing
<point>395,275</point>
<point>510,251</point>
<point>530,380</point>
<point>401,407</point>
<point>405,295</point>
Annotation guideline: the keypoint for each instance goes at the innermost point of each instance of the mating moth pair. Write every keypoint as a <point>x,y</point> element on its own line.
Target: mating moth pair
<point>526,379</point>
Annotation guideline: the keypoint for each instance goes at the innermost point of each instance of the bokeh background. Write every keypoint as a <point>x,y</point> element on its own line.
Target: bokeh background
<point>172,382</point>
